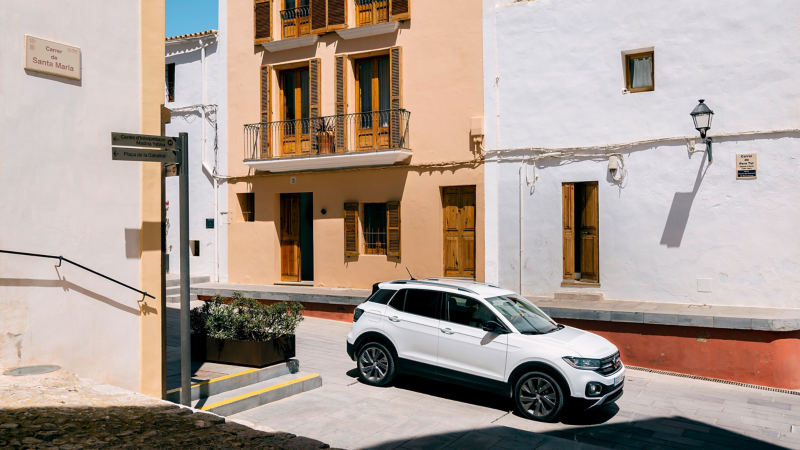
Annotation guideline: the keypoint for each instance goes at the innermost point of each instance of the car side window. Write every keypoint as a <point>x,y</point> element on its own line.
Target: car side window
<point>417,301</point>
<point>382,296</point>
<point>468,311</point>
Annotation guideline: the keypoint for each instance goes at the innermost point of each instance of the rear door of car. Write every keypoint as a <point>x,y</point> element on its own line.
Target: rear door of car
<point>411,321</point>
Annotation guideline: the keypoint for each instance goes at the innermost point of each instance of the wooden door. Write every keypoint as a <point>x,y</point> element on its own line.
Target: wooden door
<point>458,204</point>
<point>295,110</point>
<point>372,88</point>
<point>295,19</point>
<point>290,237</point>
<point>588,208</point>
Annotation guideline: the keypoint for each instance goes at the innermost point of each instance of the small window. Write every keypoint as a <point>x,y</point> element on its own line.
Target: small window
<point>247,203</point>
<point>210,224</point>
<point>381,297</point>
<point>194,246</point>
<point>170,82</point>
<point>639,72</point>
<point>468,311</point>
<point>375,228</point>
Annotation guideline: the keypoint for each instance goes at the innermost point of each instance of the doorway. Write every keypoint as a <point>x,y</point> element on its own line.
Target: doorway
<point>297,237</point>
<point>580,220</point>
<point>295,137</point>
<point>458,203</point>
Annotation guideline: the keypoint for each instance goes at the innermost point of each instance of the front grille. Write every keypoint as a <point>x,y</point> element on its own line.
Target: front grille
<point>609,365</point>
<point>611,388</point>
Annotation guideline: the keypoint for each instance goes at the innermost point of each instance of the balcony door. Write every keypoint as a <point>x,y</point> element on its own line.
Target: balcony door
<point>295,19</point>
<point>295,137</point>
<point>372,88</point>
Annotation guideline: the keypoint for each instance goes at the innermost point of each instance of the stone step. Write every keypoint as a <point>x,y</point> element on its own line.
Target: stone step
<point>175,281</point>
<point>578,296</point>
<point>176,298</point>
<point>255,395</point>
<point>242,379</point>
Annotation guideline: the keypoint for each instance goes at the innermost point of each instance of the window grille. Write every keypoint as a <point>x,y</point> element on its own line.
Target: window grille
<point>375,228</point>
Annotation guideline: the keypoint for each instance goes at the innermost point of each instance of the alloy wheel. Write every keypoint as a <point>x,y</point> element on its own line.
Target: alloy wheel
<point>374,364</point>
<point>538,397</point>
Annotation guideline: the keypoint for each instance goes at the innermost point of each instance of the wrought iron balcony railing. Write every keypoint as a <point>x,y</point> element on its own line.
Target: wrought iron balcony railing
<point>371,12</point>
<point>346,133</point>
<point>295,22</point>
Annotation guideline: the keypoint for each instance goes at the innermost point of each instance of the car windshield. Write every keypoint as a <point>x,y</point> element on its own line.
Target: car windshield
<point>524,315</point>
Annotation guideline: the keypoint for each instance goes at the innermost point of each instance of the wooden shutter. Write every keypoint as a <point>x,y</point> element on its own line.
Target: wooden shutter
<point>467,226</point>
<point>313,103</point>
<point>396,94</point>
<point>341,102</point>
<point>319,16</point>
<point>262,21</point>
<point>337,14</point>
<point>351,229</point>
<point>266,109</point>
<point>399,10</point>
<point>588,229</point>
<point>568,229</point>
<point>393,229</point>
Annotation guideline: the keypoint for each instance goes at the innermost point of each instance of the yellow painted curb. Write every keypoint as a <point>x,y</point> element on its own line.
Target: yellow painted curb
<point>204,382</point>
<point>259,392</point>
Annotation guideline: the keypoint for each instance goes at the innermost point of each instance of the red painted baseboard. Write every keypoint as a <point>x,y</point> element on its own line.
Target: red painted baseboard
<point>764,358</point>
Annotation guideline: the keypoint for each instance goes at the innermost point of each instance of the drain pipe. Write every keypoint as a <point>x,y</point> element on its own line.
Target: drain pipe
<point>521,216</point>
<point>210,170</point>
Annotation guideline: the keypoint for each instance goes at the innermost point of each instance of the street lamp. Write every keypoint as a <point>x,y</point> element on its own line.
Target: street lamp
<point>702,114</point>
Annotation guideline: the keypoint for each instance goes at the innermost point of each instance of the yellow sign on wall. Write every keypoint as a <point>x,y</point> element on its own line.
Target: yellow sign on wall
<point>52,58</point>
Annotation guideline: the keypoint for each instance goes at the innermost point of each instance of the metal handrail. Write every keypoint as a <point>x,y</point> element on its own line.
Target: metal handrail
<point>297,21</point>
<point>61,258</point>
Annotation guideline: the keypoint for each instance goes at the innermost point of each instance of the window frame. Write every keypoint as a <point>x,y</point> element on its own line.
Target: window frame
<point>628,74</point>
<point>368,216</point>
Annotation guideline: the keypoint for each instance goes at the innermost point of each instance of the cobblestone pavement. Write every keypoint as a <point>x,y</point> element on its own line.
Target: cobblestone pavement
<point>656,411</point>
<point>58,410</point>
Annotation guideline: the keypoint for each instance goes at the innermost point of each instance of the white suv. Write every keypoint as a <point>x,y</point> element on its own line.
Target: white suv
<point>484,337</point>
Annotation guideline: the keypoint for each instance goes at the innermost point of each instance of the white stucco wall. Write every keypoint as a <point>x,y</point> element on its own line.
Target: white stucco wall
<point>188,91</point>
<point>63,195</point>
<point>554,78</point>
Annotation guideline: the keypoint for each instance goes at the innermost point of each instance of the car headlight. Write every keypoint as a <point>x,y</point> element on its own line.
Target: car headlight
<point>582,363</point>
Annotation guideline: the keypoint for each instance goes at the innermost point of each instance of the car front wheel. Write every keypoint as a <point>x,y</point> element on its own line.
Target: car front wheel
<point>375,364</point>
<point>539,397</point>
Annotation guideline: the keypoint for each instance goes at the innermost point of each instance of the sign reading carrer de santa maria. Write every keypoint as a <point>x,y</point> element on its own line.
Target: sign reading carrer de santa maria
<point>52,58</point>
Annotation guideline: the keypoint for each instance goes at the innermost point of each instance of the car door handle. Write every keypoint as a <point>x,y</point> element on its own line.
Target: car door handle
<point>447,331</point>
<point>394,319</point>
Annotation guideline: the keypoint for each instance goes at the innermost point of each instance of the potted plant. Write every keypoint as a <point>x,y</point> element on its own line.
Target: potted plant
<point>243,331</point>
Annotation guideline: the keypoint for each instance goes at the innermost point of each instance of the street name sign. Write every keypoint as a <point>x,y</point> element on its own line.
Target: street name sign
<point>143,140</point>
<point>746,166</point>
<point>143,154</point>
<point>52,58</point>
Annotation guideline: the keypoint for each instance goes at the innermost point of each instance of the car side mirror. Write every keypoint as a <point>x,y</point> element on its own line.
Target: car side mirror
<point>494,327</point>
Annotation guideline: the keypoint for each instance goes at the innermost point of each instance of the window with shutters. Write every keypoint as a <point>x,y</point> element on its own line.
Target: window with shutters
<point>580,224</point>
<point>351,229</point>
<point>295,19</point>
<point>169,75</point>
<point>328,15</point>
<point>373,12</point>
<point>262,21</point>
<point>247,203</point>
<point>375,228</point>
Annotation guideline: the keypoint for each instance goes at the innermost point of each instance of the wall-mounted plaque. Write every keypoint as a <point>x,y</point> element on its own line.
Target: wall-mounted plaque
<point>52,58</point>
<point>746,166</point>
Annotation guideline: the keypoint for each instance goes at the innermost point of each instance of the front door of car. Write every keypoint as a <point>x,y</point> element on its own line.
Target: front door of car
<point>413,325</point>
<point>464,348</point>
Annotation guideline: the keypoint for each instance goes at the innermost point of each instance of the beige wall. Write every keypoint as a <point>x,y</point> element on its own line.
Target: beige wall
<point>442,89</point>
<point>152,330</point>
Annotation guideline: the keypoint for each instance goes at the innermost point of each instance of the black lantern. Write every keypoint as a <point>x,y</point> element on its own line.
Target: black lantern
<point>702,115</point>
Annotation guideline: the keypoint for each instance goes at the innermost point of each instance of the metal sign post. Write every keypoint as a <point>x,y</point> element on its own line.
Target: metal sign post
<point>186,338</point>
<point>139,147</point>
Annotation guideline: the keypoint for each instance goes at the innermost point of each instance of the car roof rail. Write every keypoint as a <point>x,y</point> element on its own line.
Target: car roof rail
<point>465,281</point>
<point>430,283</point>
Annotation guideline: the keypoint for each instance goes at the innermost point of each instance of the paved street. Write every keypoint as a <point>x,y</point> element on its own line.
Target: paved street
<point>656,412</point>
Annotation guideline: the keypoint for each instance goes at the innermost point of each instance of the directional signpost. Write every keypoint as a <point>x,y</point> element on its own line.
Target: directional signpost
<point>175,153</point>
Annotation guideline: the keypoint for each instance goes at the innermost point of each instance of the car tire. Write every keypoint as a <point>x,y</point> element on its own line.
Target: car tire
<point>539,397</point>
<point>375,364</point>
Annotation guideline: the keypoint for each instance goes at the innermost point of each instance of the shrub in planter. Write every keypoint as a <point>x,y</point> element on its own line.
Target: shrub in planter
<point>244,331</point>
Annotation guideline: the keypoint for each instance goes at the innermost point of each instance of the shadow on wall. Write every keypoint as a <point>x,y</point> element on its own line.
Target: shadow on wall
<point>66,286</point>
<point>679,211</point>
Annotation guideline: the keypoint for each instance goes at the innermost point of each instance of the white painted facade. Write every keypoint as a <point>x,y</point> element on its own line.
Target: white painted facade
<point>63,195</point>
<point>675,226</point>
<point>207,155</point>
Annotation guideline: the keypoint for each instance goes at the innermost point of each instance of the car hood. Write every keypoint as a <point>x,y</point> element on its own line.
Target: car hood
<point>581,343</point>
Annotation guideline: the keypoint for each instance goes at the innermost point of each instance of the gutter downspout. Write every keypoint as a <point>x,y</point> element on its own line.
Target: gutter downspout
<point>521,221</point>
<point>211,171</point>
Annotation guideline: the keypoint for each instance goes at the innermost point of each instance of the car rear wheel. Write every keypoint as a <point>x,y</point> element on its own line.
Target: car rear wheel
<point>375,364</point>
<point>539,397</point>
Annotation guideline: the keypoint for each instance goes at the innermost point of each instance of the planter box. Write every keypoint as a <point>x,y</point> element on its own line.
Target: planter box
<point>243,353</point>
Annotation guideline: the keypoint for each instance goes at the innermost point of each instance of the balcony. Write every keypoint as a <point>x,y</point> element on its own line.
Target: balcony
<point>295,30</point>
<point>372,19</point>
<point>377,138</point>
